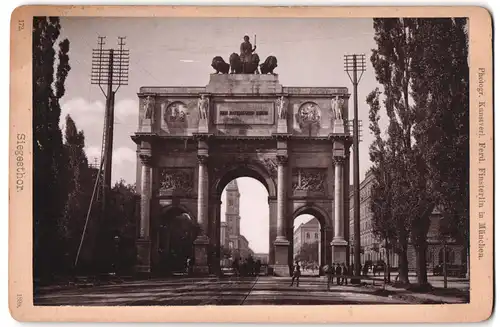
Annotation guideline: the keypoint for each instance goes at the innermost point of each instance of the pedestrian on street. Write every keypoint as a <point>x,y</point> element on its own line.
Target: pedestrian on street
<point>365,269</point>
<point>188,266</point>
<point>338,272</point>
<point>236,267</point>
<point>296,273</point>
<point>345,272</point>
<point>329,271</point>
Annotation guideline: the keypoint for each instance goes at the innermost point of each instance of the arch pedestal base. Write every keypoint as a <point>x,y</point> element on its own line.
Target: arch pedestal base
<point>143,265</point>
<point>281,265</point>
<point>339,251</point>
<point>201,255</point>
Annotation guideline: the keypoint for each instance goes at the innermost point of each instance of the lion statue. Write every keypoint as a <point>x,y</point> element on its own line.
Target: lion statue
<point>268,66</point>
<point>235,63</point>
<point>220,65</point>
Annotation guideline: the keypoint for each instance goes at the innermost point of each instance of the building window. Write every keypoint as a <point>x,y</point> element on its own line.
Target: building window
<point>231,245</point>
<point>308,236</point>
<point>316,235</point>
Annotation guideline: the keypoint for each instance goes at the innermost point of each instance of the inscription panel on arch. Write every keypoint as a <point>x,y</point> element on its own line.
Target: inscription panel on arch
<point>244,113</point>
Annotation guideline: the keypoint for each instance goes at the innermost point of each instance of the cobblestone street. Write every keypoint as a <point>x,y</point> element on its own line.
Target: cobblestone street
<point>215,291</point>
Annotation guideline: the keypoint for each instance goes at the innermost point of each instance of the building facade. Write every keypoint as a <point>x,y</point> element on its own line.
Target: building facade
<point>372,249</point>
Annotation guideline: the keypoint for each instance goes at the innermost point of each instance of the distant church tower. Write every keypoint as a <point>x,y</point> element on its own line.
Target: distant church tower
<point>233,214</point>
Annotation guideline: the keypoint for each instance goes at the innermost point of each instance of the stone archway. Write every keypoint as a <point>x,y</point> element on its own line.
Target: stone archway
<point>243,125</point>
<point>176,230</point>
<point>326,230</point>
<point>222,178</point>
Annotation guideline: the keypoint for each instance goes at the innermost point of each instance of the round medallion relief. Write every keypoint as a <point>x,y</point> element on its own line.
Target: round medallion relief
<point>309,112</point>
<point>175,112</point>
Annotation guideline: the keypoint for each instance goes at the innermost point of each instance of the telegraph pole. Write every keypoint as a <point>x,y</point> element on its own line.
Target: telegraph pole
<point>110,69</point>
<point>355,65</point>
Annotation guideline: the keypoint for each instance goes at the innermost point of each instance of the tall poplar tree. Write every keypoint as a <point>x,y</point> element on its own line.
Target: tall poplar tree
<point>48,190</point>
<point>411,205</point>
<point>79,190</point>
<point>441,88</point>
<point>383,223</point>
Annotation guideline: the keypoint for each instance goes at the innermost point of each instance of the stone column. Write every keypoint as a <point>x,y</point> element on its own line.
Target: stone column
<point>326,256</point>
<point>203,194</point>
<point>281,244</point>
<point>281,198</point>
<point>215,235</point>
<point>202,241</point>
<point>339,244</point>
<point>144,242</point>
<point>273,232</point>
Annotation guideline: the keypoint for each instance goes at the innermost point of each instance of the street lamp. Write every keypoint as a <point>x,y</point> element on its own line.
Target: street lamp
<point>116,240</point>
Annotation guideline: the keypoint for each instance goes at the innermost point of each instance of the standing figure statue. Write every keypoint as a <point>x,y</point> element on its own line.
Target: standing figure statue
<point>148,110</point>
<point>337,106</point>
<point>281,108</point>
<point>249,59</point>
<point>203,107</point>
<point>246,50</point>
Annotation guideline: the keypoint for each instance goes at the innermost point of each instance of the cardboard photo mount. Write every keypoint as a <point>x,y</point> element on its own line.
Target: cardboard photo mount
<point>481,164</point>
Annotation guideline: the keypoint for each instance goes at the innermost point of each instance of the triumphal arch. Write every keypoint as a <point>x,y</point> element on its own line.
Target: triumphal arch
<point>192,141</point>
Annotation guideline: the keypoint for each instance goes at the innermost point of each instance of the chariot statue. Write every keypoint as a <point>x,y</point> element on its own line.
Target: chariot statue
<point>247,62</point>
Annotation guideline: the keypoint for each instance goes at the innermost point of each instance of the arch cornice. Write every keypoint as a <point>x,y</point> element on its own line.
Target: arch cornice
<point>233,168</point>
<point>318,212</point>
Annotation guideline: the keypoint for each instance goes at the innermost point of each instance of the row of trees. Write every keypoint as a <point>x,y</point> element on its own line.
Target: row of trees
<point>63,182</point>
<point>421,162</point>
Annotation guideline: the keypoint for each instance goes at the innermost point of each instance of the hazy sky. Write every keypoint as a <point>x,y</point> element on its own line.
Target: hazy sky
<point>179,51</point>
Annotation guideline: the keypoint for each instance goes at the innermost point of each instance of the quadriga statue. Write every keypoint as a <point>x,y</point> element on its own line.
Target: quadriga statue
<point>247,62</point>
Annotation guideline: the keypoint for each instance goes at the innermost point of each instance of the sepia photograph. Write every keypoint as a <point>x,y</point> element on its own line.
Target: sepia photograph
<point>249,161</point>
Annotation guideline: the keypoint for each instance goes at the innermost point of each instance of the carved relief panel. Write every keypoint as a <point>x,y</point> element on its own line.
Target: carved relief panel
<point>176,181</point>
<point>309,180</point>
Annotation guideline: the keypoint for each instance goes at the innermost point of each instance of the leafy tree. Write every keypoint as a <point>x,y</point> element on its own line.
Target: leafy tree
<point>441,88</point>
<point>48,190</point>
<point>123,216</point>
<point>411,204</point>
<point>308,252</point>
<point>78,187</point>
<point>383,223</point>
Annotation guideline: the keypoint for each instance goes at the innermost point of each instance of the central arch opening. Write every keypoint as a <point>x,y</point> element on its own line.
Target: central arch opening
<point>244,227</point>
<point>307,243</point>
